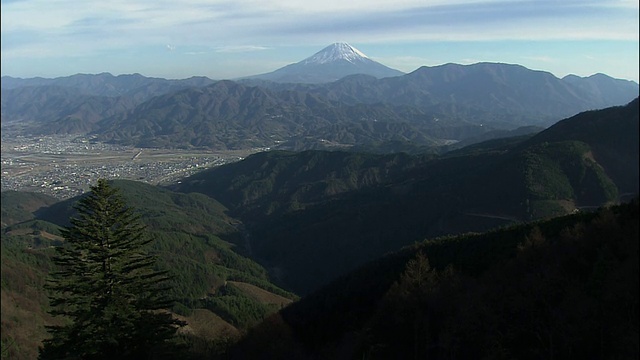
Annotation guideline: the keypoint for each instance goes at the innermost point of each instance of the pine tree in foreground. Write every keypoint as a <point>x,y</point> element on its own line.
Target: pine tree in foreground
<point>105,287</point>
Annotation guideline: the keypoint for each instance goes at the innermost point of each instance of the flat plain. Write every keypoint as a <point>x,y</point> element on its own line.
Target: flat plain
<point>65,165</point>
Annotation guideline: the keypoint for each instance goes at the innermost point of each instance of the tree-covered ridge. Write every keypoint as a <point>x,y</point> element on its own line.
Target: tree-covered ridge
<point>565,287</point>
<point>612,135</point>
<point>302,208</point>
<point>18,207</point>
<point>279,182</point>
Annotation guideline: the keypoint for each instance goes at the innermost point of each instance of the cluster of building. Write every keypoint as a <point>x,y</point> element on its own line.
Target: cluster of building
<point>64,167</point>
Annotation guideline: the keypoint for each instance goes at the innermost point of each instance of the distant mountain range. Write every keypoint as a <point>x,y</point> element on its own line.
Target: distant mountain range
<point>427,108</point>
<point>329,64</point>
<point>135,86</point>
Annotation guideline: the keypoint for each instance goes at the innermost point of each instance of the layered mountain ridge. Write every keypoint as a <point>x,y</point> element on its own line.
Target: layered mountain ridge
<point>427,108</point>
<point>303,207</point>
<point>321,222</point>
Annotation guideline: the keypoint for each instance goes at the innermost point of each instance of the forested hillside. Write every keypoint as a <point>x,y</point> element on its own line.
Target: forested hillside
<point>304,208</point>
<point>18,207</point>
<point>219,292</point>
<point>560,288</point>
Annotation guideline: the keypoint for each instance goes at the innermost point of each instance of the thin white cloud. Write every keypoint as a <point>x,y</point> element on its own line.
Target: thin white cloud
<point>240,48</point>
<point>201,22</point>
<point>533,20</point>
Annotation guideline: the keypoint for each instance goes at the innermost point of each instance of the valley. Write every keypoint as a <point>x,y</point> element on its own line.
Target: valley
<point>64,166</point>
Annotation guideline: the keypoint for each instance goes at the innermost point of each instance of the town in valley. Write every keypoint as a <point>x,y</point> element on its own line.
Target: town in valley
<point>64,166</point>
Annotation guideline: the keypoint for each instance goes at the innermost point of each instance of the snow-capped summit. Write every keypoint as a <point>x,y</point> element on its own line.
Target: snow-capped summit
<point>336,52</point>
<point>330,64</point>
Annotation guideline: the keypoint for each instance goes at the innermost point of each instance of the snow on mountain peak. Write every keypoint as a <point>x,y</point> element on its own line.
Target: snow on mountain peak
<point>334,52</point>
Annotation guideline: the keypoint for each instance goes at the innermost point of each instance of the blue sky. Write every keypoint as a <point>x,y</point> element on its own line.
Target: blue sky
<point>224,39</point>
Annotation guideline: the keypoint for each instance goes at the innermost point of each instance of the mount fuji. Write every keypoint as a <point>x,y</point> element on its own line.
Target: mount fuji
<point>329,64</point>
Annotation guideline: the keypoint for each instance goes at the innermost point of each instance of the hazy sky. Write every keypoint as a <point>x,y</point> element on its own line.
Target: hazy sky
<point>228,39</point>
